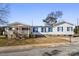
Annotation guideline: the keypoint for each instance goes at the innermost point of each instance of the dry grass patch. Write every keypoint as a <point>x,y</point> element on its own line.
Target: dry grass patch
<point>42,40</point>
<point>50,40</point>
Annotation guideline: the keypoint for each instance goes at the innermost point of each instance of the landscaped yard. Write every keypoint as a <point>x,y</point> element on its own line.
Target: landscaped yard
<point>41,40</point>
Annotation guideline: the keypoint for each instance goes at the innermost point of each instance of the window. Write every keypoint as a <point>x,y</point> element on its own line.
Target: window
<point>23,28</point>
<point>60,29</point>
<point>69,28</point>
<point>50,29</point>
<point>10,28</point>
<point>35,29</point>
<point>16,28</point>
<point>43,29</point>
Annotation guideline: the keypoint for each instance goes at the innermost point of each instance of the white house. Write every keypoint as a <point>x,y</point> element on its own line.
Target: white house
<point>61,28</point>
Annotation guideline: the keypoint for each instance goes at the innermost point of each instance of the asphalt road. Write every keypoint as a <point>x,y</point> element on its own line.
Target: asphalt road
<point>68,50</point>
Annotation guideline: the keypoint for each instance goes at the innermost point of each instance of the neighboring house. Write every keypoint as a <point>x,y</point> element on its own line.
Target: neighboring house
<point>18,28</point>
<point>61,28</point>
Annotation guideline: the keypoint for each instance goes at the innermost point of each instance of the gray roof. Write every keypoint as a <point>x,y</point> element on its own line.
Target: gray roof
<point>41,26</point>
<point>17,23</point>
<point>59,23</point>
<point>25,25</point>
<point>62,23</point>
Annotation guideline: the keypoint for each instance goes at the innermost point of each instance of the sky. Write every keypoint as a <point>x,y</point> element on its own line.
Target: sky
<point>34,13</point>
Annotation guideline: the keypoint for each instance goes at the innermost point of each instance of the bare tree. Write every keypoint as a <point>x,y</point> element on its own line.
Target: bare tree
<point>52,17</point>
<point>4,11</point>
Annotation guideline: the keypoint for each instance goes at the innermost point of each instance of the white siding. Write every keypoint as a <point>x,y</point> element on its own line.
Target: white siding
<point>55,32</point>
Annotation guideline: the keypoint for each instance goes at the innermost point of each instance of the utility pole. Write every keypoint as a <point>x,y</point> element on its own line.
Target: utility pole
<point>77,25</point>
<point>32,22</point>
<point>32,28</point>
<point>76,31</point>
<point>28,30</point>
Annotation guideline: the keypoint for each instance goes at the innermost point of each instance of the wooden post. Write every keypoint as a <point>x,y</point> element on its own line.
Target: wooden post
<point>70,38</point>
<point>28,31</point>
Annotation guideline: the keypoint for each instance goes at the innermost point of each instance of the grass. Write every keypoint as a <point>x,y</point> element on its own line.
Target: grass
<point>41,40</point>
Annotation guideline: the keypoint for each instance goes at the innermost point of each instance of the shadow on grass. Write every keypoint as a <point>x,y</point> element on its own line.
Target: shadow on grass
<point>74,54</point>
<point>52,53</point>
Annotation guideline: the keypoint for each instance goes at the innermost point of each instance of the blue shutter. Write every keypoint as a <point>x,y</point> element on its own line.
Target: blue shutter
<point>57,28</point>
<point>62,29</point>
<point>35,29</point>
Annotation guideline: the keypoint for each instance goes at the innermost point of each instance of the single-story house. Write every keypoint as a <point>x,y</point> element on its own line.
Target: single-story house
<point>61,28</point>
<point>17,27</point>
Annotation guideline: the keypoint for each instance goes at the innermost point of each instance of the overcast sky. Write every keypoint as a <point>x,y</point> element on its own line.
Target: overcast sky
<point>26,13</point>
